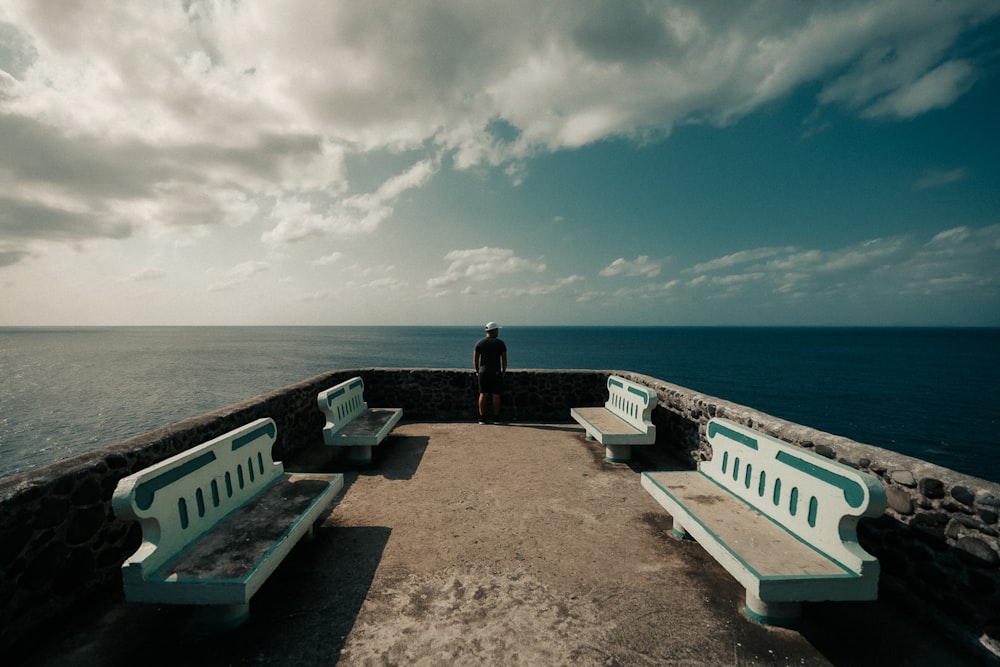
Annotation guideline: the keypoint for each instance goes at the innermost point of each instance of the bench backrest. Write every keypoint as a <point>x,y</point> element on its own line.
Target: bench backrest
<point>342,403</point>
<point>632,402</point>
<point>181,498</point>
<point>813,497</point>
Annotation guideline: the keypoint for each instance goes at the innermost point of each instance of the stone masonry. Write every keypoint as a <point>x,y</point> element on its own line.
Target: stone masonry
<point>61,546</point>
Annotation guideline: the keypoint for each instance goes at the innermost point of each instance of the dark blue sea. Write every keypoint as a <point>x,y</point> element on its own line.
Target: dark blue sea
<point>929,393</point>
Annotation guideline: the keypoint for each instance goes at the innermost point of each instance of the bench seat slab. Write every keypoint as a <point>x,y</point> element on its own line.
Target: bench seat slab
<point>608,428</point>
<point>623,420</point>
<point>227,565</point>
<point>369,428</point>
<point>770,562</point>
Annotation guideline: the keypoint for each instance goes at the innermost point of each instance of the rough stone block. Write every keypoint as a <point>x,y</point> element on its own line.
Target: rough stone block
<point>931,488</point>
<point>899,500</point>
<point>977,552</point>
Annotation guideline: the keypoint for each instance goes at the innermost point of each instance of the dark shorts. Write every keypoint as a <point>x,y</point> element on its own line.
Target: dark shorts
<point>490,383</point>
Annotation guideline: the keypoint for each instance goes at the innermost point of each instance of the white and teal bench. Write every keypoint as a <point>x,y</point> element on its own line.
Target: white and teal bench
<point>778,518</point>
<point>216,521</point>
<point>351,423</point>
<point>623,421</point>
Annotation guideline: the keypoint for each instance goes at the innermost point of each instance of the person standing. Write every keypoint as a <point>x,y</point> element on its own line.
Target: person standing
<point>489,358</point>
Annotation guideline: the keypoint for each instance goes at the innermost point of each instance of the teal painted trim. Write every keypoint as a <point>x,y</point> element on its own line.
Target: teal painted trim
<point>769,620</point>
<point>268,429</point>
<point>145,492</point>
<point>715,428</point>
<point>617,383</point>
<point>640,393</point>
<point>332,396</point>
<point>357,383</point>
<point>854,493</point>
<point>848,573</point>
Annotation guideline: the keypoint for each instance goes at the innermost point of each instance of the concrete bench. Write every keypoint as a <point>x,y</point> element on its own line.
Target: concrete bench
<point>351,423</point>
<point>216,521</point>
<point>623,421</point>
<point>780,519</point>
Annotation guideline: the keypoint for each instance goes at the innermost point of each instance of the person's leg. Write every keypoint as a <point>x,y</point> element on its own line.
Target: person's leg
<point>482,407</point>
<point>496,407</point>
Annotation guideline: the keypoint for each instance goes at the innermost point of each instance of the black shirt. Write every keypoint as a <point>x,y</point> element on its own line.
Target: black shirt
<point>490,353</point>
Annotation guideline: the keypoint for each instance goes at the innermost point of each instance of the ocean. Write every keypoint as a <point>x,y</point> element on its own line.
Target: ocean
<point>928,393</point>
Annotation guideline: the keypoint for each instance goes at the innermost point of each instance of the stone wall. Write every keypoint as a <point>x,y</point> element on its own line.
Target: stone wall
<point>938,542</point>
<point>60,544</point>
<point>61,547</point>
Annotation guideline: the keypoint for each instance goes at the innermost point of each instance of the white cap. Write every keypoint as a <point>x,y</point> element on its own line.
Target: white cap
<point>490,326</point>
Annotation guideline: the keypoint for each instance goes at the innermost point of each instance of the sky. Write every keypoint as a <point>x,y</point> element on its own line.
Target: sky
<point>580,162</point>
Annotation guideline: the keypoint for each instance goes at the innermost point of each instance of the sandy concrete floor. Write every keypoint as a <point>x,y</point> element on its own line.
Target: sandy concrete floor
<point>497,545</point>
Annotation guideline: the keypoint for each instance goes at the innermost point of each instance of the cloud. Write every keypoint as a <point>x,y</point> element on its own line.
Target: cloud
<point>868,282</point>
<point>936,178</point>
<point>239,275</point>
<point>327,260</point>
<point>299,219</point>
<point>148,273</point>
<point>639,267</point>
<point>884,267</point>
<point>10,255</point>
<point>120,120</point>
<point>536,289</point>
<point>482,264</point>
<point>221,74</point>
<point>386,283</point>
<point>735,258</point>
<point>936,89</point>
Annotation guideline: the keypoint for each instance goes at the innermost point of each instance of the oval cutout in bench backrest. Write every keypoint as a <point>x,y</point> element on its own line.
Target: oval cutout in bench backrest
<point>342,403</point>
<point>815,498</point>
<point>632,402</point>
<point>171,499</point>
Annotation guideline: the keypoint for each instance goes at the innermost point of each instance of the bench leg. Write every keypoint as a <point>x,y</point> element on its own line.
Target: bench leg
<point>209,619</point>
<point>360,454</point>
<point>617,453</point>
<point>679,532</point>
<point>772,613</point>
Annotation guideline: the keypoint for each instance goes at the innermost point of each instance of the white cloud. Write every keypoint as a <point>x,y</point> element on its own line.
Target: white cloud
<point>482,264</point>
<point>327,260</point>
<point>735,258</point>
<point>196,132</point>
<point>886,267</point>
<point>386,283</point>
<point>639,267</point>
<point>536,289</point>
<point>298,219</point>
<point>936,89</point>
<point>208,113</point>
<point>148,273</point>
<point>951,236</point>
<point>239,275</point>
<point>936,178</point>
